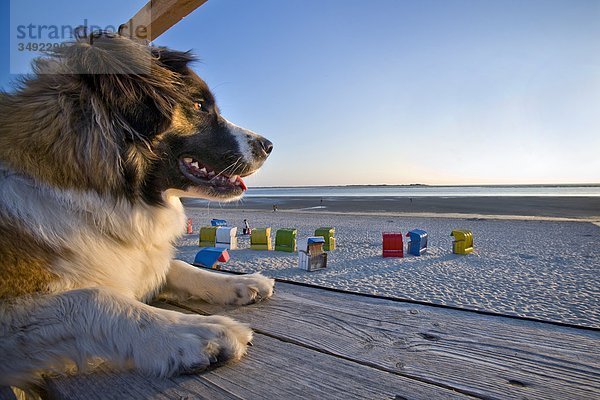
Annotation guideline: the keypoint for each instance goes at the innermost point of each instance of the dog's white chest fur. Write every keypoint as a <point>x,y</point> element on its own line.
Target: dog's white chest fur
<point>104,241</point>
<point>136,259</point>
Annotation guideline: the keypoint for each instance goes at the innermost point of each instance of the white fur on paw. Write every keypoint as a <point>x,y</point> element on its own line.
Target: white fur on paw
<point>246,289</point>
<point>191,344</point>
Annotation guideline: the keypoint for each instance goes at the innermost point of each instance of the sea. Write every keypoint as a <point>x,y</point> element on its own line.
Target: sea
<point>592,190</point>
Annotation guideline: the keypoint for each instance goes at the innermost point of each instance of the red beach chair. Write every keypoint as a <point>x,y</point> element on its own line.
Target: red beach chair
<point>392,244</point>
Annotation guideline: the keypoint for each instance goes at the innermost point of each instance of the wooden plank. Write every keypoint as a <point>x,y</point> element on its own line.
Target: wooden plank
<point>156,17</point>
<point>273,369</point>
<point>487,356</point>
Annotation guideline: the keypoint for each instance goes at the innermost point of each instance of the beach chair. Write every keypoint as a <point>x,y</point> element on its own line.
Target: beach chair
<point>226,237</point>
<point>218,222</point>
<point>208,257</point>
<point>392,244</point>
<point>285,240</point>
<point>417,243</point>
<point>329,235</point>
<point>260,239</point>
<point>463,242</point>
<point>311,255</point>
<point>208,236</point>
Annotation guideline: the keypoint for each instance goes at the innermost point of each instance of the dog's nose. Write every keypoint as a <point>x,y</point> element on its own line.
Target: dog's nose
<point>266,145</point>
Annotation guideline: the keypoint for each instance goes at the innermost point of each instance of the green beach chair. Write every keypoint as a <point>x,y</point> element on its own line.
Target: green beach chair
<point>208,236</point>
<point>285,240</point>
<point>260,239</point>
<point>329,236</point>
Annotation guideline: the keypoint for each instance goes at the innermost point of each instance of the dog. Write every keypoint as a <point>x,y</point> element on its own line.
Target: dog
<point>97,147</point>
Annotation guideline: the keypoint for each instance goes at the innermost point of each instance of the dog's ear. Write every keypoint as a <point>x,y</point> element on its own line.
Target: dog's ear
<point>131,85</point>
<point>176,61</point>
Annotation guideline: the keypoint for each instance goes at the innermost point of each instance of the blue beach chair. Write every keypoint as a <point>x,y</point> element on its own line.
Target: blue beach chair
<point>208,257</point>
<point>218,222</point>
<point>417,244</point>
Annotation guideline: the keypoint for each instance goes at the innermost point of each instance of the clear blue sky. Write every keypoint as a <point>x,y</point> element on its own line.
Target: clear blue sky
<point>392,91</point>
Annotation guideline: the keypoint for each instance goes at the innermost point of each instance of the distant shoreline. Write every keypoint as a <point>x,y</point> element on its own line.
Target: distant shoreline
<point>546,206</point>
<point>415,191</point>
<point>412,185</point>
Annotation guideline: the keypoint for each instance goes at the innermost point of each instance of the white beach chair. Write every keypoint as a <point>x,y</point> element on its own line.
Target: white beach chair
<point>311,256</point>
<point>226,237</point>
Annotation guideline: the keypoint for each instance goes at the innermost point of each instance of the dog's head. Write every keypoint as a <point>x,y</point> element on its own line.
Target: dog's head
<point>201,152</point>
<point>112,115</point>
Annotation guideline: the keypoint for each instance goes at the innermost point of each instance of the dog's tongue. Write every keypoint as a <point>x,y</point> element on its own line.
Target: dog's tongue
<point>242,184</point>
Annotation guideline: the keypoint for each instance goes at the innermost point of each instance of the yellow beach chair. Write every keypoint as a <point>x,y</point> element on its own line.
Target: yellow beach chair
<point>463,242</point>
<point>260,239</point>
<point>208,236</point>
<point>329,235</point>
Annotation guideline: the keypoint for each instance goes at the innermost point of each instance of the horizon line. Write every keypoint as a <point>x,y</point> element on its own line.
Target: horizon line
<point>437,185</point>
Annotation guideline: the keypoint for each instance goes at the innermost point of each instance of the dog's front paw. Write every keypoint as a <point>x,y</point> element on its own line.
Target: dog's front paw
<point>247,289</point>
<point>185,281</point>
<point>191,344</point>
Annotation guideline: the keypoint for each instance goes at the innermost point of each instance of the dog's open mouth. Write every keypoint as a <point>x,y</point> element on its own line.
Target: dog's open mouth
<point>203,175</point>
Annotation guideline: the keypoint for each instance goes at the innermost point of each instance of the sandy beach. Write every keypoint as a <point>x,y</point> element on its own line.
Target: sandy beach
<point>528,261</point>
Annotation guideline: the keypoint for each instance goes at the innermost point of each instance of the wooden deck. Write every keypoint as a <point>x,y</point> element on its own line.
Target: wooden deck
<point>318,344</point>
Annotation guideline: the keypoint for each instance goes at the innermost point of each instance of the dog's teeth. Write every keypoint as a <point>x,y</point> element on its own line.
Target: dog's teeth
<point>195,164</point>
<point>188,160</point>
<point>211,174</point>
<point>233,179</point>
<point>203,171</point>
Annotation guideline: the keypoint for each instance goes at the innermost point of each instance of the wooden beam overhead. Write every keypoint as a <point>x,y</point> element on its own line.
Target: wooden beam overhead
<point>156,17</point>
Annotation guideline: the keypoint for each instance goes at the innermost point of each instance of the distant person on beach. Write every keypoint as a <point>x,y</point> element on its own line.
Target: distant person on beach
<point>246,230</point>
<point>274,207</point>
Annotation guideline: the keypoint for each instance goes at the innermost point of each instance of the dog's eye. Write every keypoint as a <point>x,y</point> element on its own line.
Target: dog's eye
<point>200,106</point>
